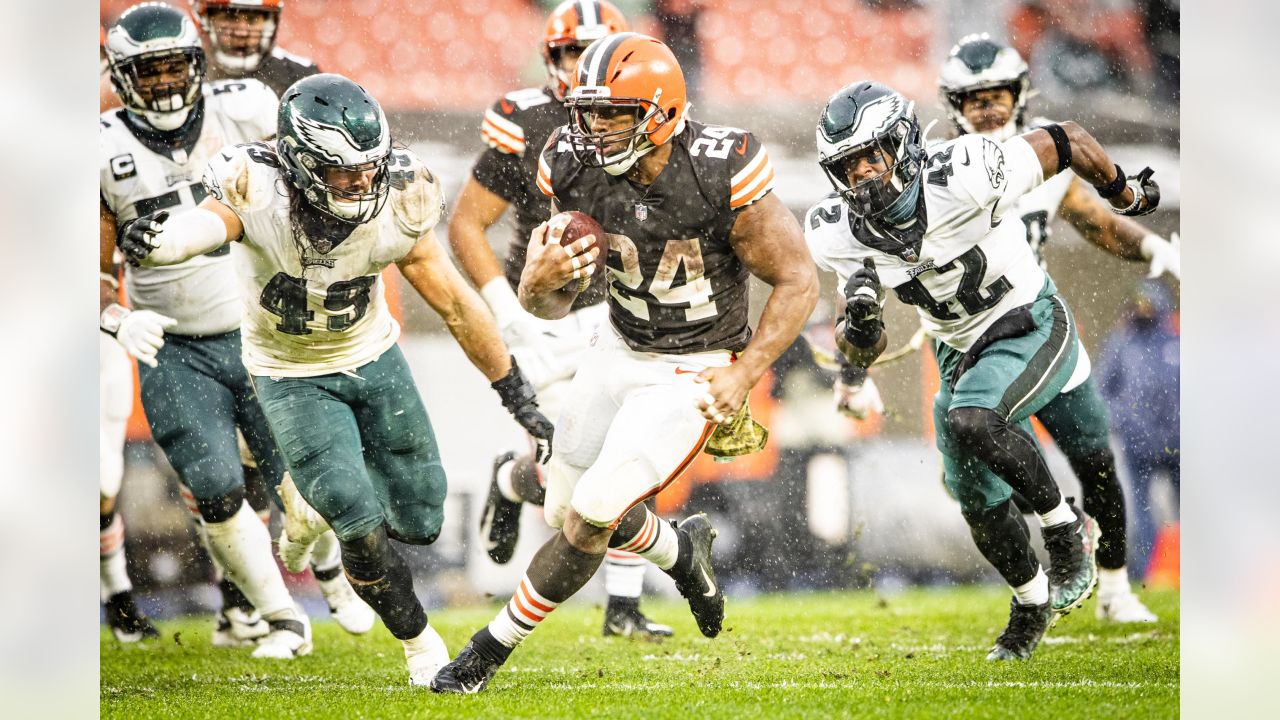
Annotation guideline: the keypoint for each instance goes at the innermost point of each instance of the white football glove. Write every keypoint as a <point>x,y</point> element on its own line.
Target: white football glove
<point>523,333</point>
<point>1165,255</point>
<point>141,334</point>
<point>858,401</point>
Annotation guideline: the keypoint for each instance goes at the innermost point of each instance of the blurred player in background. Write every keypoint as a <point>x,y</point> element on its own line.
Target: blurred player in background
<point>929,221</point>
<point>515,129</point>
<point>689,214</point>
<point>240,36</point>
<point>184,328</point>
<point>316,218</point>
<point>984,87</point>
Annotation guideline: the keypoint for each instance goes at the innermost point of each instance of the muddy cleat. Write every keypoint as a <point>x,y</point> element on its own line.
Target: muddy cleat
<point>290,636</point>
<point>1124,607</point>
<point>425,655</point>
<point>697,583</point>
<point>622,618</point>
<point>1027,624</point>
<point>353,614</point>
<point>475,666</point>
<point>127,622</point>
<point>500,521</point>
<point>238,627</point>
<point>301,528</point>
<point>1073,571</point>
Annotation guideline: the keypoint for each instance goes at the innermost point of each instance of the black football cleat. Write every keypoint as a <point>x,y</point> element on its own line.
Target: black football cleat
<point>1027,624</point>
<point>1073,570</point>
<point>622,618</point>
<point>500,521</point>
<point>127,622</point>
<point>473,668</point>
<point>697,583</point>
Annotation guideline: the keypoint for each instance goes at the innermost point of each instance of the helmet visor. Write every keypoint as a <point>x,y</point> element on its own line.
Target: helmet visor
<point>868,176</point>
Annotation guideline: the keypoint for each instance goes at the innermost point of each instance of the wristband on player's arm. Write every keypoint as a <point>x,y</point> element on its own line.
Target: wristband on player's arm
<point>514,389</point>
<point>502,301</point>
<point>185,235</point>
<point>1113,188</point>
<point>109,320</point>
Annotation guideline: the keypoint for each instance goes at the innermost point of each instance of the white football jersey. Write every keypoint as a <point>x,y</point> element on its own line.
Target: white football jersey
<point>136,179</point>
<point>307,313</point>
<point>973,265</point>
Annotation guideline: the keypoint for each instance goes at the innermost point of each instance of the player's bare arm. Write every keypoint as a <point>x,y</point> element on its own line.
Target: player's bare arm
<point>107,282</point>
<point>476,210</point>
<point>1087,158</point>
<point>768,240</point>
<point>440,284</point>
<point>549,267</point>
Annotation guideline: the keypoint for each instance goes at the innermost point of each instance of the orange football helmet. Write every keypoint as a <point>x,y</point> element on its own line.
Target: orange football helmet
<point>573,25</point>
<point>625,72</point>
<point>242,51</point>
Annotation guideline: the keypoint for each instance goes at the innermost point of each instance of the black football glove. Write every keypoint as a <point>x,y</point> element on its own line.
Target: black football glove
<point>863,295</point>
<point>1143,187</point>
<point>520,400</point>
<point>135,237</point>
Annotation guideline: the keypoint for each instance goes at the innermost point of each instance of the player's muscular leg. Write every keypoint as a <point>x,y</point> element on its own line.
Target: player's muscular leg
<point>1008,450</point>
<point>569,559</point>
<point>381,578</point>
<point>1002,538</point>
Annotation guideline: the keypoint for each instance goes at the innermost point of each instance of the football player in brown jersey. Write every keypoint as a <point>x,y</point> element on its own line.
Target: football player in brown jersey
<point>688,215</point>
<point>240,36</point>
<point>515,129</point>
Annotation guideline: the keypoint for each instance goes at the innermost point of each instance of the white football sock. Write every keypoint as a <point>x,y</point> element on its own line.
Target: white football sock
<point>656,542</point>
<point>524,612</point>
<point>1057,516</point>
<point>111,561</point>
<point>623,574</point>
<point>243,546</point>
<point>505,486</point>
<point>1035,591</point>
<point>326,554</point>
<point>1113,582</point>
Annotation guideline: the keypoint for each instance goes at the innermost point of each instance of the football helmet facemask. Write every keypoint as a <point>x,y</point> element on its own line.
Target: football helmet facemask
<point>334,145</point>
<point>157,64</point>
<point>247,34</point>
<point>979,63</point>
<point>625,75</point>
<point>868,119</point>
<point>571,27</point>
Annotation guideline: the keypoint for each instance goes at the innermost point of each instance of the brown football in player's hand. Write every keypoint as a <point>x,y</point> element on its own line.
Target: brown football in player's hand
<point>576,226</point>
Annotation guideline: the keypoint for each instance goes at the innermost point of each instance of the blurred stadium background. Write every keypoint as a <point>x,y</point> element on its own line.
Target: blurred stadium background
<point>830,502</point>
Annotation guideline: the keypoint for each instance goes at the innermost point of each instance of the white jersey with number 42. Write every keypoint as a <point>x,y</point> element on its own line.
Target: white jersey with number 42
<point>308,313</point>
<point>136,179</point>
<point>974,263</point>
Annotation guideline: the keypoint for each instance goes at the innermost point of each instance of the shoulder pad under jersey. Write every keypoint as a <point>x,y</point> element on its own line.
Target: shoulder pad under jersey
<point>243,177</point>
<point>282,54</point>
<point>246,102</point>
<point>417,201</point>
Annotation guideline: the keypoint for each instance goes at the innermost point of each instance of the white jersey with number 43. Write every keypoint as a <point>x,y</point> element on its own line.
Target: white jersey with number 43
<point>137,178</point>
<point>308,313</point>
<point>974,263</point>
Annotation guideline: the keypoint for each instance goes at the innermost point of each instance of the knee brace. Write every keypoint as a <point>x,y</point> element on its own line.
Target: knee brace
<point>973,428</point>
<point>221,508</point>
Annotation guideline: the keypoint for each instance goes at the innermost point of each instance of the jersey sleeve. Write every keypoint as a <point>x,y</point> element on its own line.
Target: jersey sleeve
<point>500,130</point>
<point>417,201</point>
<point>751,173</point>
<point>242,177</point>
<point>995,175</point>
<point>546,161</point>
<point>250,104</point>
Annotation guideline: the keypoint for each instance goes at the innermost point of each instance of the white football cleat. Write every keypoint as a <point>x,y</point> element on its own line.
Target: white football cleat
<point>425,655</point>
<point>238,628</point>
<point>1124,607</point>
<point>353,614</point>
<point>290,636</point>
<point>301,528</point>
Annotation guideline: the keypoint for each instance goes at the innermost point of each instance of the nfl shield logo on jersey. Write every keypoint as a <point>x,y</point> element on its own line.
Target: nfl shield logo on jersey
<point>642,211</point>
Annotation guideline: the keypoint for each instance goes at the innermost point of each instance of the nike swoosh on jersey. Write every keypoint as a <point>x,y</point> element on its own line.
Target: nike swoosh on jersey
<point>741,147</point>
<point>966,157</point>
<point>685,371</point>
<point>705,578</point>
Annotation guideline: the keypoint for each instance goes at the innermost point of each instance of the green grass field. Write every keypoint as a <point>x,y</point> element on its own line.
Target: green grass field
<point>914,655</point>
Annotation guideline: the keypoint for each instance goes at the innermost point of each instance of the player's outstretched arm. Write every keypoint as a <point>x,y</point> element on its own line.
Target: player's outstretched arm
<point>139,332</point>
<point>1062,145</point>
<point>1117,234</point>
<point>769,242</point>
<point>162,238</point>
<point>429,271</point>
